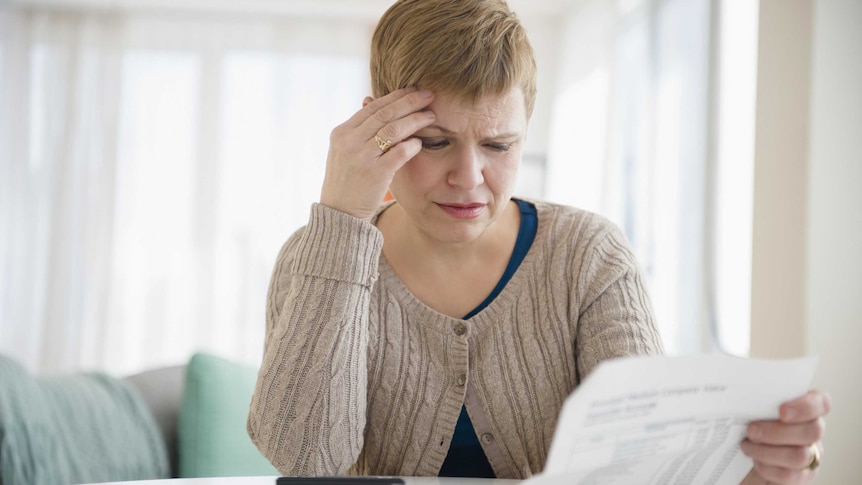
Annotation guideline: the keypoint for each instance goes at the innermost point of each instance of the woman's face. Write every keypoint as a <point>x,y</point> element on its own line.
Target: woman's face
<point>461,181</point>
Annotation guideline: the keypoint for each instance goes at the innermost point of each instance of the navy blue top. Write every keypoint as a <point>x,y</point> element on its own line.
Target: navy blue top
<point>465,457</point>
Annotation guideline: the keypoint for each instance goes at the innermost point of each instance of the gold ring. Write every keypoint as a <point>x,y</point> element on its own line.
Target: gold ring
<point>383,145</point>
<point>815,457</point>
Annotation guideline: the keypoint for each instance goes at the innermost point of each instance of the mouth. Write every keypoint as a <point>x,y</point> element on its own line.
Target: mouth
<point>469,210</point>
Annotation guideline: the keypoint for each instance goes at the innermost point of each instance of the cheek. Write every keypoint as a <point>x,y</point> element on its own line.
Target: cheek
<point>503,171</point>
<point>407,180</point>
<point>419,170</point>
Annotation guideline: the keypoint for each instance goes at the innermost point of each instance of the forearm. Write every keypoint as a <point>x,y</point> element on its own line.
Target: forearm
<point>308,411</point>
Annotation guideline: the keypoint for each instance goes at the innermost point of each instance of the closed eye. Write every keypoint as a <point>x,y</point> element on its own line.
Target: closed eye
<point>434,143</point>
<point>500,147</point>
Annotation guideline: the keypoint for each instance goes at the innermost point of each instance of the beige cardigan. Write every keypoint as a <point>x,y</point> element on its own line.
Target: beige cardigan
<point>359,377</point>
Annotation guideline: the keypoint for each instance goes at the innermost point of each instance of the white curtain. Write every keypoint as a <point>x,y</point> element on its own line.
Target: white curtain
<point>629,140</point>
<point>151,167</point>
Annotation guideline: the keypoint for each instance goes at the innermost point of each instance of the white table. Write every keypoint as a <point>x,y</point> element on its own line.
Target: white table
<point>271,481</point>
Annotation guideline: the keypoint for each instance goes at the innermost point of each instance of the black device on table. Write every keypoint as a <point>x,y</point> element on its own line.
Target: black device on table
<point>339,481</point>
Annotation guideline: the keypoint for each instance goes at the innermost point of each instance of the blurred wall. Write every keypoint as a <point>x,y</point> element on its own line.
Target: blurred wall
<point>834,292</point>
<point>807,247</point>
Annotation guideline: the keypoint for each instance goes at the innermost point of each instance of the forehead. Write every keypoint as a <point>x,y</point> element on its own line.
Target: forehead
<point>505,112</point>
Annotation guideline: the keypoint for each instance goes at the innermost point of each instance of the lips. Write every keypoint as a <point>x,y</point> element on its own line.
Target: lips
<point>469,210</point>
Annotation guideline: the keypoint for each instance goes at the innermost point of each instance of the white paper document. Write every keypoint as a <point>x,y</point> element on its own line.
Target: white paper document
<point>668,420</point>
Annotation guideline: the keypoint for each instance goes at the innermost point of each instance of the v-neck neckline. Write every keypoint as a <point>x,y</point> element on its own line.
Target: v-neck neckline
<point>442,322</point>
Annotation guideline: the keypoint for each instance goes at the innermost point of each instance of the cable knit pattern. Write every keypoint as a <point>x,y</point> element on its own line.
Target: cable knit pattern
<point>359,377</point>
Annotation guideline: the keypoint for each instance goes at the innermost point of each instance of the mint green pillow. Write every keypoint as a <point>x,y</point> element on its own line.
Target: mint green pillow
<point>213,441</point>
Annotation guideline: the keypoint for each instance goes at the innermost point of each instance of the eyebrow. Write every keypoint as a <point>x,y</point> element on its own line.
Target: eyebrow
<point>447,131</point>
<point>441,128</point>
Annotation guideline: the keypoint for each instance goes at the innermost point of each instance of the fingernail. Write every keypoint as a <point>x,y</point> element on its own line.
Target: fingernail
<point>426,93</point>
<point>789,413</point>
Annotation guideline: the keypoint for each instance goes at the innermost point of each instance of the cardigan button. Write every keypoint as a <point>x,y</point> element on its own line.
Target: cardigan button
<point>487,438</point>
<point>460,329</point>
<point>462,379</point>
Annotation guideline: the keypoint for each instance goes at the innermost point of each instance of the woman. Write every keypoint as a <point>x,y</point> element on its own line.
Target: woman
<point>439,334</point>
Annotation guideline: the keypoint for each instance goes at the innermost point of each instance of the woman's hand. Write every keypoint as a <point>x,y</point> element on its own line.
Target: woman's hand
<point>783,450</point>
<point>358,170</point>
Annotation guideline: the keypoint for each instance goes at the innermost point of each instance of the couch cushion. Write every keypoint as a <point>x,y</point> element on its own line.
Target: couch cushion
<point>162,391</point>
<point>212,435</point>
<point>73,429</point>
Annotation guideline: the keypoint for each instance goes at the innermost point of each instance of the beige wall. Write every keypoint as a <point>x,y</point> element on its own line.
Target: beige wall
<point>807,248</point>
<point>834,253</point>
<point>780,174</point>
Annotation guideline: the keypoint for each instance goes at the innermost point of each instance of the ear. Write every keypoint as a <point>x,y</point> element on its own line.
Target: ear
<point>367,100</point>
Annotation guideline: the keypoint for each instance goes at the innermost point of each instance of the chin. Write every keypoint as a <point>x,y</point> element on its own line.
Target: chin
<point>459,232</point>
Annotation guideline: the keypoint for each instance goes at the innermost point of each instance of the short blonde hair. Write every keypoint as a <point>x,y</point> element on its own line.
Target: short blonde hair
<point>465,48</point>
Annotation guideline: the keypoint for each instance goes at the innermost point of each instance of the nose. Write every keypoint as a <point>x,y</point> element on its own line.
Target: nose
<point>466,170</point>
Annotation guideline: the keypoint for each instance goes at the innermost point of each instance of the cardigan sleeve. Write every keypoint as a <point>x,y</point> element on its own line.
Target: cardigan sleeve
<point>615,317</point>
<point>307,414</point>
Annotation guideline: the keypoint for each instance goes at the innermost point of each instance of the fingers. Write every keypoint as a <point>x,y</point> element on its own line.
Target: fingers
<point>782,449</point>
<point>370,106</point>
<point>393,117</point>
<point>811,406</point>
<point>791,457</point>
<point>402,128</point>
<point>394,105</point>
<point>358,169</point>
<point>399,154</point>
<point>775,474</point>
<point>781,464</point>
<point>779,433</point>
<point>398,133</point>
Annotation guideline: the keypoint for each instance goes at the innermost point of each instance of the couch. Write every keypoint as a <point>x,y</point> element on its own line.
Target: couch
<point>177,421</point>
<point>161,389</point>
